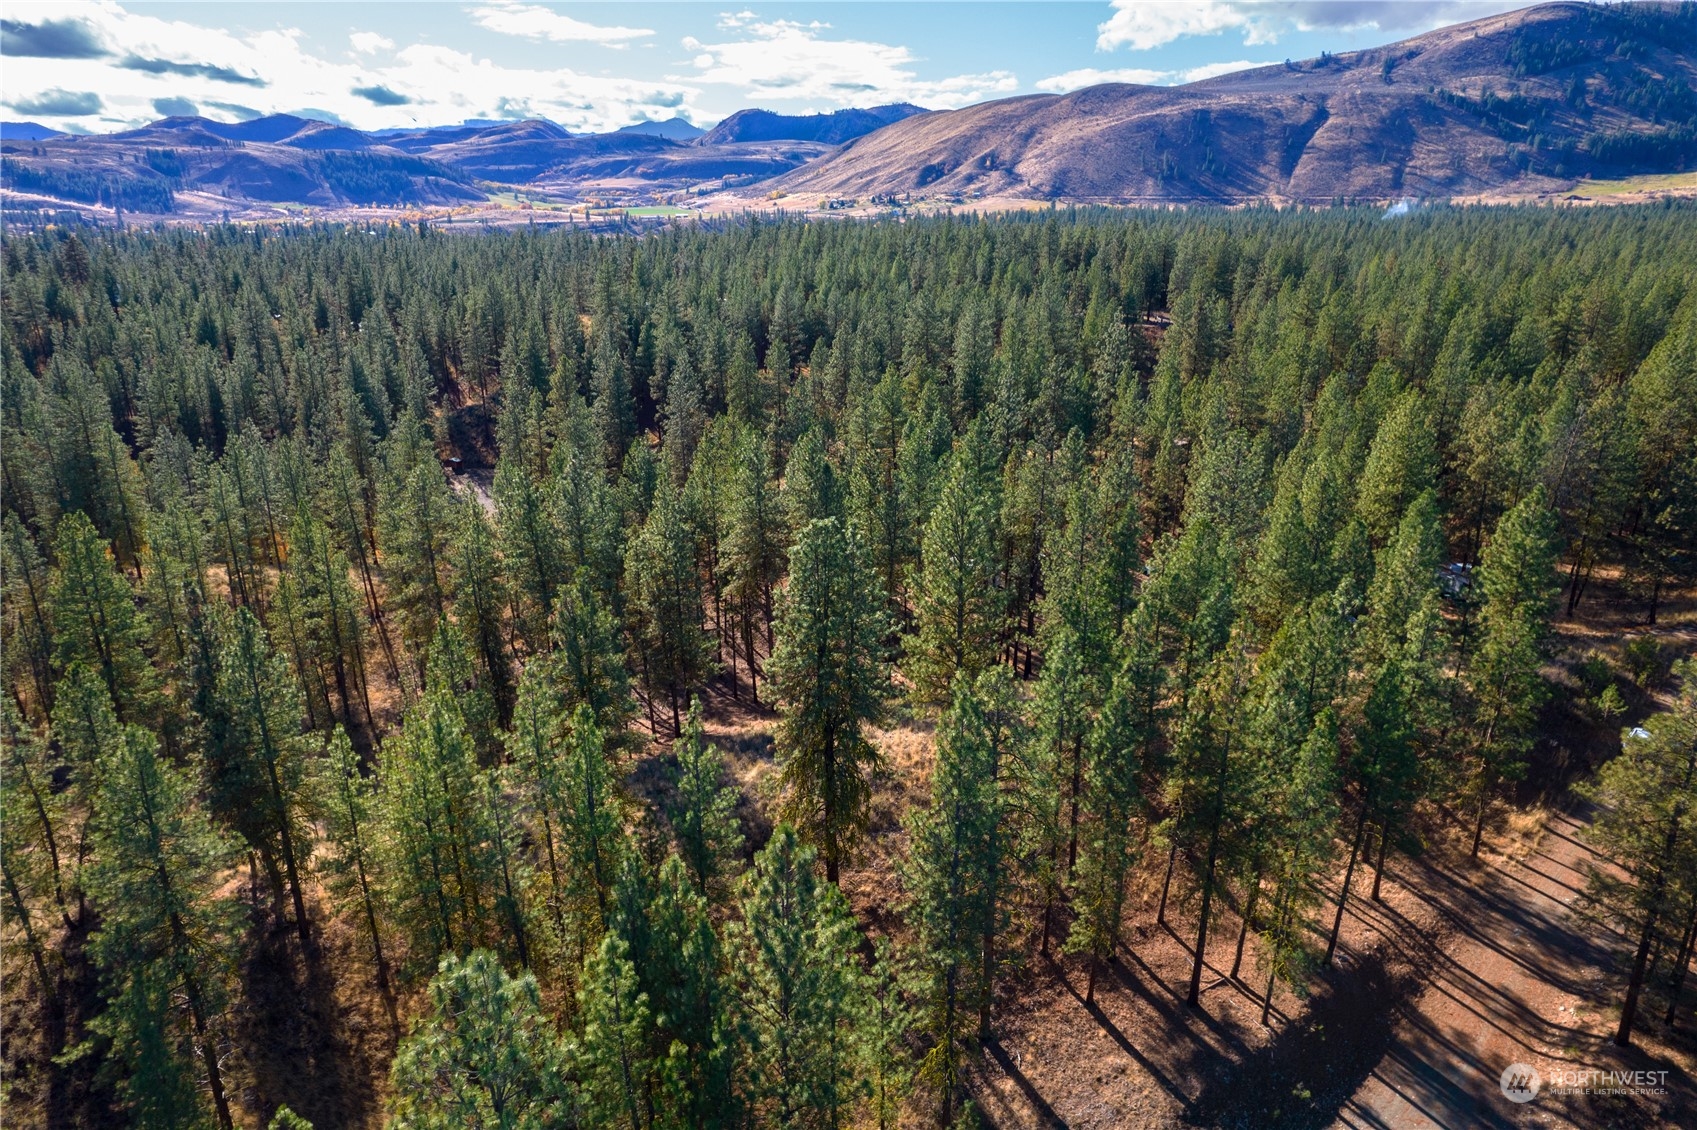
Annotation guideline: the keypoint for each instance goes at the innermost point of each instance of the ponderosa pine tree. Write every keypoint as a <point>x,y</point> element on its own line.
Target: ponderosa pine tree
<point>504,861</point>
<point>480,600</point>
<point>95,621</point>
<point>346,801</point>
<point>704,817</point>
<point>174,581</point>
<point>1118,745</point>
<point>1402,463</point>
<point>413,519</point>
<point>877,494</point>
<point>534,746</point>
<point>751,557</point>
<point>531,550</point>
<point>799,989</point>
<point>1517,581</point>
<point>165,946</point>
<point>588,657</point>
<point>486,1057</point>
<point>1302,811</point>
<point>811,489</point>
<point>613,1057</point>
<point>1647,825</point>
<point>950,879</point>
<point>27,604</point>
<point>32,867</point>
<point>692,1006</point>
<point>255,756</point>
<point>831,678</point>
<point>592,835</point>
<point>1212,760</point>
<point>958,605</point>
<point>331,633</point>
<point>665,593</point>
<point>431,847</point>
<point>83,725</point>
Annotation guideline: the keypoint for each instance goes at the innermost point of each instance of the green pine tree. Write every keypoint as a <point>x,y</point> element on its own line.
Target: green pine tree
<point>829,672</point>
<point>486,1056</point>
<point>166,942</point>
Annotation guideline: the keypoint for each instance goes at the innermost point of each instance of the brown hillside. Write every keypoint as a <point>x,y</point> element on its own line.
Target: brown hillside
<point>1536,97</point>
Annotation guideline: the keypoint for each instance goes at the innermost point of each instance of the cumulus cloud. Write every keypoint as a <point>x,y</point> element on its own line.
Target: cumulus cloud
<point>189,70</point>
<point>277,71</point>
<point>1141,25</point>
<point>786,59</point>
<point>369,42</point>
<point>534,22</point>
<point>175,107</point>
<point>59,104</point>
<point>50,39</point>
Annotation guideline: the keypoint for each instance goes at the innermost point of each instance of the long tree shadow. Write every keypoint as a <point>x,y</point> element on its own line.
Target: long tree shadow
<point>297,1040</point>
<point>1302,1078</point>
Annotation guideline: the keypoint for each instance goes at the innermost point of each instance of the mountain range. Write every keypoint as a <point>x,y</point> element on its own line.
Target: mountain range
<point>1524,102</point>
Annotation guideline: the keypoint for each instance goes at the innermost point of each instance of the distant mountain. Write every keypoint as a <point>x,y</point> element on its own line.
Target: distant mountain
<point>26,131</point>
<point>672,129</point>
<point>829,129</point>
<point>1524,102</point>
<point>1528,101</point>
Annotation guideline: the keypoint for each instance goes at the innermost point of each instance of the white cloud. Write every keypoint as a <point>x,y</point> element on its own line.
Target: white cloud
<point>1090,76</point>
<point>438,84</point>
<point>369,42</point>
<point>786,59</point>
<point>534,22</point>
<point>1143,24</point>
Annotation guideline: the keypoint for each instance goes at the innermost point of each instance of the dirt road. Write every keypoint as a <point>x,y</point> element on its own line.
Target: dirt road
<point>1511,975</point>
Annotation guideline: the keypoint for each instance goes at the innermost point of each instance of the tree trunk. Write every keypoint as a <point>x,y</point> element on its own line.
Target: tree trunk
<point>1194,996</point>
<point>1166,885</point>
<point>1379,867</point>
<point>1652,916</point>
<point>830,782</point>
<point>1635,984</point>
<point>209,1056</point>
<point>1343,896</point>
<point>1479,821</point>
<point>1077,788</point>
<point>1243,932</point>
<point>1679,966</point>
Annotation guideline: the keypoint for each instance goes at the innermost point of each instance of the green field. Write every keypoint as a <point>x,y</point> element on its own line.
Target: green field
<point>1651,182</point>
<point>657,210</point>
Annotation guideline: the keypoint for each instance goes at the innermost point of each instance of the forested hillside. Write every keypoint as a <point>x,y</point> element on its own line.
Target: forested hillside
<point>372,599</point>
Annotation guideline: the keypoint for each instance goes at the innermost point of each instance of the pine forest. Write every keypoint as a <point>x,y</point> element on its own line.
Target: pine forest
<point>772,673</point>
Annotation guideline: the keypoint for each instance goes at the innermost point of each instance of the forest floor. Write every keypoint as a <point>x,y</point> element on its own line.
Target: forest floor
<point>1465,967</point>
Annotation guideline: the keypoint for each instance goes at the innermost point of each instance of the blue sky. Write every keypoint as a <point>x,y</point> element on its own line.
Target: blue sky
<point>108,65</point>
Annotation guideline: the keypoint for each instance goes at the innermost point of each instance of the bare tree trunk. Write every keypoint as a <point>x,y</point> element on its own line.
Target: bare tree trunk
<point>1343,896</point>
<point>1243,931</point>
<point>1166,885</point>
<point>1680,964</point>
<point>1379,867</point>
